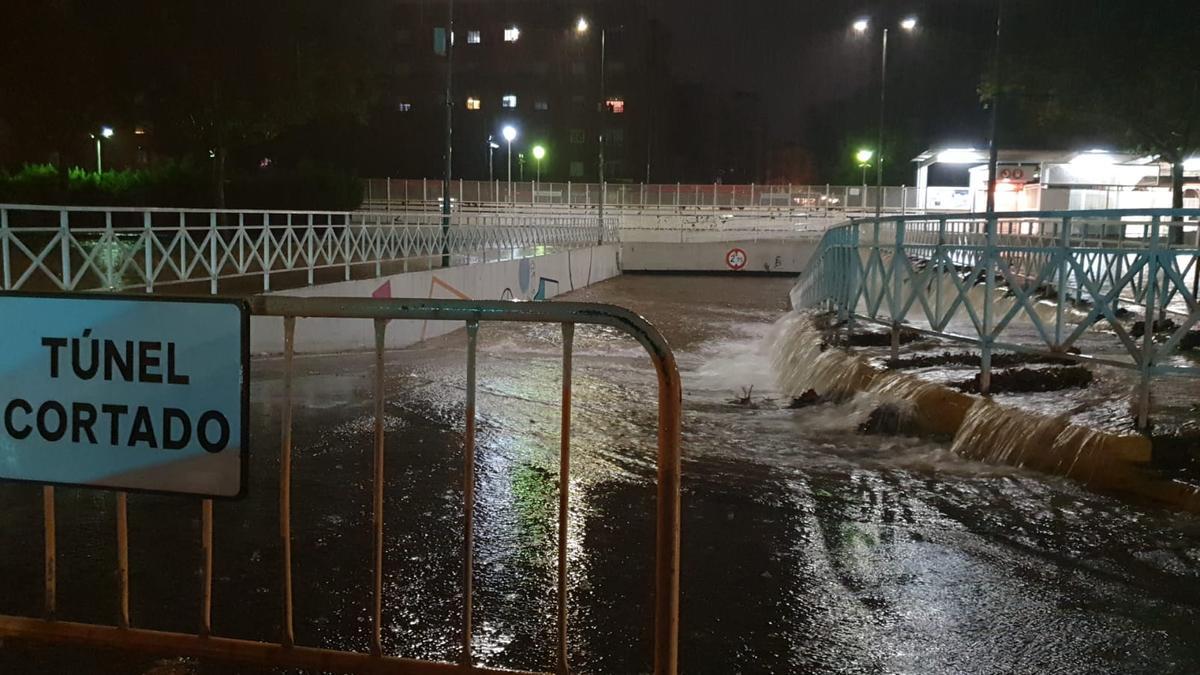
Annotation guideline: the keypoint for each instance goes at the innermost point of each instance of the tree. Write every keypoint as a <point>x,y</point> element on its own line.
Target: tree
<point>1116,70</point>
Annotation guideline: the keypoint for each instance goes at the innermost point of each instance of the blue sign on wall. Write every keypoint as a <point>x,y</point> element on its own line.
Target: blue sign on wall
<point>135,393</point>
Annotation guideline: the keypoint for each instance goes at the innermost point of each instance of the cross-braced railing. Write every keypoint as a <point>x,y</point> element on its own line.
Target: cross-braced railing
<point>1036,281</point>
<point>47,248</point>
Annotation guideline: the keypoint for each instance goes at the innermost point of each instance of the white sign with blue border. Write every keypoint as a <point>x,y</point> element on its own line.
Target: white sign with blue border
<point>125,392</point>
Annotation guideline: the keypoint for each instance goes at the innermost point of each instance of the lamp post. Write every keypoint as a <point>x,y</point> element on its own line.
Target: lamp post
<point>105,132</point>
<point>582,27</point>
<point>492,146</point>
<point>510,134</point>
<point>861,26</point>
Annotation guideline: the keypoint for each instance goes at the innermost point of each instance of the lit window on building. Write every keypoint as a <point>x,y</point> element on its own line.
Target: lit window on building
<point>403,106</point>
<point>576,169</point>
<point>615,106</point>
<point>509,101</point>
<point>577,136</point>
<point>541,105</point>
<point>474,103</point>
<point>512,34</point>
<point>473,37</point>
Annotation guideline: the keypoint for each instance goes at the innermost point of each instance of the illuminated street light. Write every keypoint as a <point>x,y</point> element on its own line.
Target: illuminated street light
<point>105,132</point>
<point>581,26</point>
<point>538,153</point>
<point>860,26</point>
<point>864,160</point>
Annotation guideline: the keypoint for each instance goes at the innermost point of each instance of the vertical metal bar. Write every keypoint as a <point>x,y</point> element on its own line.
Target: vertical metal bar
<point>1061,291</point>
<point>285,480</point>
<point>212,252</point>
<point>667,516</point>
<point>122,560</point>
<point>4,235</point>
<point>64,232</point>
<point>108,240</point>
<point>310,235</point>
<point>1146,361</point>
<point>50,560</point>
<point>206,567</point>
<point>989,259</point>
<point>266,252</point>
<point>377,489</point>
<point>564,489</point>
<point>897,254</point>
<point>148,251</point>
<point>465,659</point>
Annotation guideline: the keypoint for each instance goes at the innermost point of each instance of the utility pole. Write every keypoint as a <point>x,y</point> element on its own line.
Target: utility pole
<point>449,134</point>
<point>603,119</point>
<point>879,145</point>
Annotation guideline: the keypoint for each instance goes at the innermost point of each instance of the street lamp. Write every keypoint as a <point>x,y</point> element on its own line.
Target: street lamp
<point>510,134</point>
<point>909,24</point>
<point>864,160</point>
<point>105,132</point>
<point>538,154</point>
<point>581,27</point>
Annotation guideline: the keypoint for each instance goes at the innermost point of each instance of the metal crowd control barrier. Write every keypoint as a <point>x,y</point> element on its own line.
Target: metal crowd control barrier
<point>285,653</point>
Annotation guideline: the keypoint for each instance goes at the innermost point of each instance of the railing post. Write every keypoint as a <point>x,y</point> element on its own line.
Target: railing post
<point>108,242</point>
<point>1146,359</point>
<point>1063,265</point>
<point>7,262</point>
<point>310,235</point>
<point>939,270</point>
<point>148,251</point>
<point>266,252</point>
<point>212,252</point>
<point>347,236</point>
<point>64,233</point>
<point>897,255</point>
<point>989,259</point>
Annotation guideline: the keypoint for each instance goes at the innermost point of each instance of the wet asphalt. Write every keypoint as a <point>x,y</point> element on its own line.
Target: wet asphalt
<point>807,547</point>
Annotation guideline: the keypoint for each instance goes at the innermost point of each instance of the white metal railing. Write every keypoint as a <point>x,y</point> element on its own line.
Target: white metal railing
<point>394,194</point>
<point>51,248</point>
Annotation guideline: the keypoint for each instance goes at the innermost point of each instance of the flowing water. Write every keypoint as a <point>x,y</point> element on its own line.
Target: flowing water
<point>807,547</point>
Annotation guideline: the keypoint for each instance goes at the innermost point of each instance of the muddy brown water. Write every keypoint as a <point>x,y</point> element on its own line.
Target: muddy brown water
<point>807,547</point>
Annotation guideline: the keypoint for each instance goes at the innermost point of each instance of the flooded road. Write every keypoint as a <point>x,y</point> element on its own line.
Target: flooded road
<point>807,547</point>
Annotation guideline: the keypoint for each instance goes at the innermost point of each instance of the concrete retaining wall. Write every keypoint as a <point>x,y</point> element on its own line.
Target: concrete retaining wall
<point>533,278</point>
<point>789,256</point>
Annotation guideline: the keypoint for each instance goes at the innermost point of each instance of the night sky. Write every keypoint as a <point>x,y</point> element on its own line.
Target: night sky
<point>802,57</point>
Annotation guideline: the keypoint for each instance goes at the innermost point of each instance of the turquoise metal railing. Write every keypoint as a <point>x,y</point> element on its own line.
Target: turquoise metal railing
<point>1057,275</point>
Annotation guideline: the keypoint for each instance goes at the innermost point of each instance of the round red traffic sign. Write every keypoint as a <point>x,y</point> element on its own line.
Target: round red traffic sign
<point>735,259</point>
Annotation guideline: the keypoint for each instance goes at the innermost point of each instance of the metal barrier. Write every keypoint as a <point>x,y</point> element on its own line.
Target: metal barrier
<point>286,653</point>
<point>1091,265</point>
<point>85,248</point>
<point>393,194</point>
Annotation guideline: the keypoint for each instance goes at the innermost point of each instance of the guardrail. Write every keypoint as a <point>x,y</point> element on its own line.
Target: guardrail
<point>86,248</point>
<point>1064,272</point>
<point>285,653</point>
<point>384,194</point>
